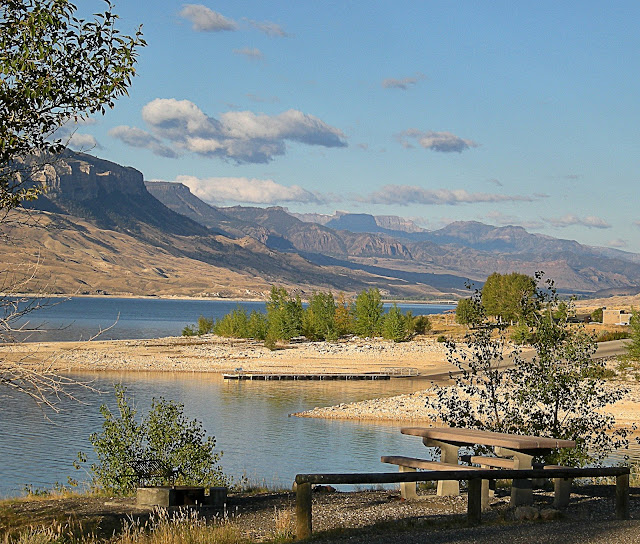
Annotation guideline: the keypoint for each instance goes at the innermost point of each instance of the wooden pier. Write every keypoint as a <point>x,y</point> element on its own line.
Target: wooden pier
<point>386,374</point>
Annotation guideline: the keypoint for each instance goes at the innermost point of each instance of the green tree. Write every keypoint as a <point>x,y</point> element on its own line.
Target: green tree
<point>54,68</point>
<point>319,318</point>
<point>284,315</point>
<point>343,318</point>
<point>165,435</point>
<point>396,326</point>
<point>633,347</point>
<point>233,325</point>
<point>596,315</point>
<point>368,313</point>
<point>509,297</point>
<point>556,393</point>
<point>469,311</point>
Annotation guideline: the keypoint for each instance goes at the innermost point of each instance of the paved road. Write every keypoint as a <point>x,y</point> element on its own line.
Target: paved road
<point>611,349</point>
<point>605,350</point>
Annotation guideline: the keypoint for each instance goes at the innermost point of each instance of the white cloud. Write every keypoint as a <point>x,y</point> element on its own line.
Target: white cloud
<point>269,28</point>
<point>444,142</point>
<point>83,142</point>
<point>245,190</point>
<point>69,135</point>
<point>403,83</point>
<point>618,242</point>
<point>569,220</point>
<point>136,137</point>
<point>242,136</point>
<point>250,52</point>
<point>205,19</point>
<point>412,194</point>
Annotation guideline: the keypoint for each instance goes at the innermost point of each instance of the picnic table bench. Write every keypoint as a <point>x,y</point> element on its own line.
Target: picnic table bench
<point>512,452</point>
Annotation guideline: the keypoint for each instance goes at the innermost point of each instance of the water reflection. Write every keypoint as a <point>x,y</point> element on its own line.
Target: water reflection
<point>250,421</point>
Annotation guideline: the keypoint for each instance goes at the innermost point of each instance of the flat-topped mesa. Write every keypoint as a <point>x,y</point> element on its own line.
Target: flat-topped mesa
<point>79,177</point>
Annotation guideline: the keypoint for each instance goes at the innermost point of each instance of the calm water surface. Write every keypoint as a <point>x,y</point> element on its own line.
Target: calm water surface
<point>250,421</point>
<point>82,318</point>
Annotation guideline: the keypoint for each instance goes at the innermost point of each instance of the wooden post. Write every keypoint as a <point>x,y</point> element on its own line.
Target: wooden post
<point>474,504</point>
<point>622,496</point>
<point>303,511</point>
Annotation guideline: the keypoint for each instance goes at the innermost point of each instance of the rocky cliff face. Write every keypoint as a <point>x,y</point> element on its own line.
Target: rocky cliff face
<point>79,177</point>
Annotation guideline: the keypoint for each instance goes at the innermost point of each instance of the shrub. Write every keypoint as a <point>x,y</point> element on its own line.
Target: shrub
<point>421,324</point>
<point>257,325</point>
<point>205,325</point>
<point>233,325</point>
<point>165,435</point>
<point>441,338</point>
<point>609,336</point>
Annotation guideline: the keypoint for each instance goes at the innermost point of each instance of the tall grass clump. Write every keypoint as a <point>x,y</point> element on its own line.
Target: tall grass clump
<point>186,527</point>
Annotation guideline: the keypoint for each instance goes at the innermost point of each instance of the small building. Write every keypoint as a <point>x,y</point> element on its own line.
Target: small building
<point>615,317</point>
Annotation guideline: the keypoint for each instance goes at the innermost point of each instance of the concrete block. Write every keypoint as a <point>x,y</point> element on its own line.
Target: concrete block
<point>155,496</point>
<point>217,497</point>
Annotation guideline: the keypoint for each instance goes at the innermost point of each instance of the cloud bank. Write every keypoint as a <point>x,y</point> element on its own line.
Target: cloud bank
<point>405,195</point>
<point>251,191</point>
<point>242,136</point>
<point>570,220</point>
<point>444,142</point>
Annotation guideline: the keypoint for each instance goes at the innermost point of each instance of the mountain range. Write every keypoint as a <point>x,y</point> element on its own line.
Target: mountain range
<point>100,228</point>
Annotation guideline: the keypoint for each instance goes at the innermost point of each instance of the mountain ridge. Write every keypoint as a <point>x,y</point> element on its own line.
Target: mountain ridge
<point>261,246</point>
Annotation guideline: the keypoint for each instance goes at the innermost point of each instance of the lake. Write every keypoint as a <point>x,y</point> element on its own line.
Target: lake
<point>81,318</point>
<point>250,421</point>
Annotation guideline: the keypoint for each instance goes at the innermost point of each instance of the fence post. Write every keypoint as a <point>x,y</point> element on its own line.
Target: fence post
<point>622,496</point>
<point>303,510</point>
<point>474,504</point>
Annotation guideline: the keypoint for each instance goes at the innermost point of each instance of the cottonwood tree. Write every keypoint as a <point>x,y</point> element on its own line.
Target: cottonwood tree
<point>55,68</point>
<point>557,391</point>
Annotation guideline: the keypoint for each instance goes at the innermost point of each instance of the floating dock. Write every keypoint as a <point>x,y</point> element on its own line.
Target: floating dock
<point>386,374</point>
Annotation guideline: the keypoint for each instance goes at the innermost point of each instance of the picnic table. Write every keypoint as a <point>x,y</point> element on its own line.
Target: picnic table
<point>520,448</point>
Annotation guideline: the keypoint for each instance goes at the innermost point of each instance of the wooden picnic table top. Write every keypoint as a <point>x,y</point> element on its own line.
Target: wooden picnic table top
<point>465,437</point>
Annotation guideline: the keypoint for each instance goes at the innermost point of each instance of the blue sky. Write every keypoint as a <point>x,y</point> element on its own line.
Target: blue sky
<point>503,112</point>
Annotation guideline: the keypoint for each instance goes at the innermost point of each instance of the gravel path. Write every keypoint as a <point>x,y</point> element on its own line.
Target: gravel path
<point>371,517</point>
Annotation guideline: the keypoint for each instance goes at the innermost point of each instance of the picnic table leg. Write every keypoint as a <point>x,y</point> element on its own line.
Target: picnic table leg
<point>474,505</point>
<point>448,454</point>
<point>521,490</point>
<point>408,489</point>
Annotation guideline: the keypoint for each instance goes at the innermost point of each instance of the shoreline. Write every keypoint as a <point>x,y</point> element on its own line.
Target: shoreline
<point>212,354</point>
<point>448,302</point>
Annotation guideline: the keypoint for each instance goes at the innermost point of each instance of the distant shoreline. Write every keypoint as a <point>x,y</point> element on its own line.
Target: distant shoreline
<point>212,299</point>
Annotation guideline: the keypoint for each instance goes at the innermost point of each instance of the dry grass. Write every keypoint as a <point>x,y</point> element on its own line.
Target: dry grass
<point>161,528</point>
